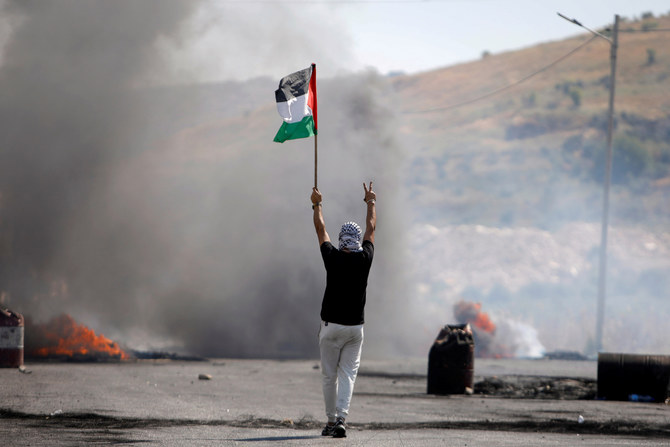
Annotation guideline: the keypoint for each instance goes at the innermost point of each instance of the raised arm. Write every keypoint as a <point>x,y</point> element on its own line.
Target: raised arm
<point>319,223</point>
<point>371,217</point>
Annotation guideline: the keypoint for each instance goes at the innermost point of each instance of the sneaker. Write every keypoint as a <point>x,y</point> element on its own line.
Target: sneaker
<point>327,430</point>
<point>339,430</point>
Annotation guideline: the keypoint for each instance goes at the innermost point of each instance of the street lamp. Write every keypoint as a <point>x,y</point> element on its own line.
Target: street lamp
<point>608,174</point>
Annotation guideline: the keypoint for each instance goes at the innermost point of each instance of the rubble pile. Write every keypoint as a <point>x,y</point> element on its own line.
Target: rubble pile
<point>485,257</point>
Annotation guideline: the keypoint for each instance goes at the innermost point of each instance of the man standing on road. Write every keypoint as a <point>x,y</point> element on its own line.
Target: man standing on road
<point>342,308</point>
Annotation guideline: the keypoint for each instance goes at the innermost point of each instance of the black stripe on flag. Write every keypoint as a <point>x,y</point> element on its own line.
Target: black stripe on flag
<point>293,85</point>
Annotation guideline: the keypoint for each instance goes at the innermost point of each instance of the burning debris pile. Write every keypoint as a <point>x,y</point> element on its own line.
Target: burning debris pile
<point>62,338</point>
<point>483,330</point>
<point>507,339</point>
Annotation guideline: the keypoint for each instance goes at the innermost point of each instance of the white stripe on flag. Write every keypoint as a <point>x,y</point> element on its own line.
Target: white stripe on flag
<point>294,110</point>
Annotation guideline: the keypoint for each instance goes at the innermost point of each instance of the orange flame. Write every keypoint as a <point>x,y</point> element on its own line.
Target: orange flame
<point>468,312</point>
<point>63,336</point>
<point>484,330</point>
<point>483,322</point>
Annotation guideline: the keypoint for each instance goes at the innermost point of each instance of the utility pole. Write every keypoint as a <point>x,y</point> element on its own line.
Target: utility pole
<point>602,271</point>
<point>602,268</point>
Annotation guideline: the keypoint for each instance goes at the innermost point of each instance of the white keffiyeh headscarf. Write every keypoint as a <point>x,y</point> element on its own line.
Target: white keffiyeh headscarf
<point>350,237</point>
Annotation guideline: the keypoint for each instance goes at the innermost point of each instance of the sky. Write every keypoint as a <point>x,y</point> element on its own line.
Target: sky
<point>388,35</point>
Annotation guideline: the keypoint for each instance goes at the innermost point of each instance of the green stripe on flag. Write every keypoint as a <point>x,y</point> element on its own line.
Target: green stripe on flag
<point>293,131</point>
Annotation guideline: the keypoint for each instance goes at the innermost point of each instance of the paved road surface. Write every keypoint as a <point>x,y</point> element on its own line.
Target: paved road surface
<point>266,402</point>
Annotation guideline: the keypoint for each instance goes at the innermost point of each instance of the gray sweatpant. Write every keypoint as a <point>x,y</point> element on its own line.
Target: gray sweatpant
<point>341,348</point>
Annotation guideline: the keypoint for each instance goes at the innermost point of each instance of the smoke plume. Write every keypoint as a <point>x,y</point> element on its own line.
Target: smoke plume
<point>125,210</point>
<point>503,339</point>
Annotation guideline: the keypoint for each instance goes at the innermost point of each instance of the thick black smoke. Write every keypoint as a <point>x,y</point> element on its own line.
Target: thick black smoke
<point>242,275</point>
<point>68,115</point>
<point>160,224</point>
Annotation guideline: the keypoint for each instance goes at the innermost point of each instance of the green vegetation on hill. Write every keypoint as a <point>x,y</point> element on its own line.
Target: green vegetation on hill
<point>533,154</point>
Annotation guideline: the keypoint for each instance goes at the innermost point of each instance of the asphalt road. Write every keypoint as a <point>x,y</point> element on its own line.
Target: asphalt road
<point>266,402</point>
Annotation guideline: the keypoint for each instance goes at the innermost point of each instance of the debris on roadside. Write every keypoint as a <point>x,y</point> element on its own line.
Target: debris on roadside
<point>530,387</point>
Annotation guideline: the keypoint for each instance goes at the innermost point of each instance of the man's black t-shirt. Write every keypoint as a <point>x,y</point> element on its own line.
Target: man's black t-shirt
<point>346,281</point>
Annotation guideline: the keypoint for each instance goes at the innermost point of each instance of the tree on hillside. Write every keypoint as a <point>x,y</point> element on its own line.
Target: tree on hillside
<point>630,160</point>
<point>651,56</point>
<point>576,96</point>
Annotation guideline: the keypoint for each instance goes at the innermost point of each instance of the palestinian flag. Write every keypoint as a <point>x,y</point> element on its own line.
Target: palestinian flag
<point>296,103</point>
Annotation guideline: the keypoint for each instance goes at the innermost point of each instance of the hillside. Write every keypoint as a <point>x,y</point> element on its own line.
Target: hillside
<point>535,150</point>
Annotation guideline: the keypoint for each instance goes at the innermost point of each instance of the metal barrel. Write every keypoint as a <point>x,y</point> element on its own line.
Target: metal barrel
<point>633,376</point>
<point>11,339</point>
<point>451,361</point>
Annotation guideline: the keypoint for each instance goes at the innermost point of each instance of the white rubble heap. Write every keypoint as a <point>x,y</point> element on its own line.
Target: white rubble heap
<point>451,260</point>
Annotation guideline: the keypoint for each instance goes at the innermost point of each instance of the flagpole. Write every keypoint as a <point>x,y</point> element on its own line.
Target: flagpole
<point>315,158</point>
<point>316,125</point>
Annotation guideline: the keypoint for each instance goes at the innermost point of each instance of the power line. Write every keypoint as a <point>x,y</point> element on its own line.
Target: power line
<point>501,89</point>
